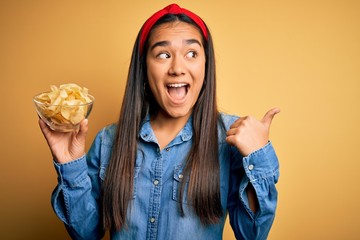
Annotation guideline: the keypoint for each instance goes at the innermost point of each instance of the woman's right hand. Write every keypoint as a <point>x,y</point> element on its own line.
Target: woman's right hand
<point>68,146</point>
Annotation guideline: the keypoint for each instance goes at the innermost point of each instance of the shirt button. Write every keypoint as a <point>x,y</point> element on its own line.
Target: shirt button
<point>152,220</point>
<point>156,182</point>
<point>181,176</point>
<point>251,167</point>
<point>167,149</point>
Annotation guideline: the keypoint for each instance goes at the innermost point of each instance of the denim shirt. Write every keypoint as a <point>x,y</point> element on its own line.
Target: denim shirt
<point>154,210</point>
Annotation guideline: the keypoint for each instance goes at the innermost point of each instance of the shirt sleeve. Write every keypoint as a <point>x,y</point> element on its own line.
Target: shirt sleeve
<point>261,169</point>
<point>75,199</point>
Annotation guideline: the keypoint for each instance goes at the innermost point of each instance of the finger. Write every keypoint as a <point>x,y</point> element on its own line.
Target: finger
<point>232,131</point>
<point>268,117</point>
<point>230,140</point>
<point>44,127</point>
<point>237,122</point>
<point>42,124</point>
<point>83,129</point>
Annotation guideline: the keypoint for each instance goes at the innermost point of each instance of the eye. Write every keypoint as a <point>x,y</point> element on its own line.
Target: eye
<point>163,55</point>
<point>191,54</point>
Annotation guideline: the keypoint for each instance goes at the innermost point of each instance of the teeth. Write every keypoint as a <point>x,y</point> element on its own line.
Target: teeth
<point>177,85</point>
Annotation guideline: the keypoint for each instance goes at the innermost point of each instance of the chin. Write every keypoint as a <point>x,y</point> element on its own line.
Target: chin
<point>179,114</point>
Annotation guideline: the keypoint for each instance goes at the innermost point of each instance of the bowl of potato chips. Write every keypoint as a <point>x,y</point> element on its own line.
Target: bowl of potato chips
<point>64,107</point>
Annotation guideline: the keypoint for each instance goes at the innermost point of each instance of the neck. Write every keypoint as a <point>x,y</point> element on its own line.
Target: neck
<point>166,128</point>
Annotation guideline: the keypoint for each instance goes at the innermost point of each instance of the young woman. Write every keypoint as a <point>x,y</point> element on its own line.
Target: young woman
<point>172,167</point>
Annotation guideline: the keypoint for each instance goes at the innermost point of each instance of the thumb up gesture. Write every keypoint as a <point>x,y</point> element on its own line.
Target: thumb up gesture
<point>248,134</point>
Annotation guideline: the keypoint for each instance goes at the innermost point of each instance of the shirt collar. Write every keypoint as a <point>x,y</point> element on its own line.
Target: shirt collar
<point>147,134</point>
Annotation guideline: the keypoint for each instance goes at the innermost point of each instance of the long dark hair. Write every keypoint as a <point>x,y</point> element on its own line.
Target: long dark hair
<point>202,164</point>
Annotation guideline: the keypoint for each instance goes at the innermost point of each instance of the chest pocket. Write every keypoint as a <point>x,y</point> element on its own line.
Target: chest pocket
<point>177,181</point>
<point>102,174</point>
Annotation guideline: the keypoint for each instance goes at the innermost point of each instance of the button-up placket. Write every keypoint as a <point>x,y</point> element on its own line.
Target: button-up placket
<point>161,161</point>
<point>155,197</point>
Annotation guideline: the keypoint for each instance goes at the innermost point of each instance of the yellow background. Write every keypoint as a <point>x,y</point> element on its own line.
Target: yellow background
<point>302,56</point>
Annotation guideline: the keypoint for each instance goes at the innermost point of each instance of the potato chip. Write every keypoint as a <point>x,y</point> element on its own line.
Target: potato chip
<point>65,104</point>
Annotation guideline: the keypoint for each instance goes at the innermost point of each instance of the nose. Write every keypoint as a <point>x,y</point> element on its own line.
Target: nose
<point>177,66</point>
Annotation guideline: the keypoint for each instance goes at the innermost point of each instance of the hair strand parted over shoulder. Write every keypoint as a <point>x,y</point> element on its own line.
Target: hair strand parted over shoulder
<point>118,183</point>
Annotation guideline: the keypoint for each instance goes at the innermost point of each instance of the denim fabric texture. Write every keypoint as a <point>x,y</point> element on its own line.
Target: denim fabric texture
<point>154,209</point>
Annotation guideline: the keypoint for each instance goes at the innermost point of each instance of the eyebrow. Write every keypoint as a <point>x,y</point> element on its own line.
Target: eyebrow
<point>167,43</point>
<point>192,41</point>
<point>160,44</point>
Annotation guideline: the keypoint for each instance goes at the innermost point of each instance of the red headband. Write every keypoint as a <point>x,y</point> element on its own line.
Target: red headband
<point>170,9</point>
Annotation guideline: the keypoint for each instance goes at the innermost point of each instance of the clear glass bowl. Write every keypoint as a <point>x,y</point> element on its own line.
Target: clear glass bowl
<point>63,118</point>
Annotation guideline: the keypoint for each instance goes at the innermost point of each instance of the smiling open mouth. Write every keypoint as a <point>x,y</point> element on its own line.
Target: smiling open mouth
<point>178,91</point>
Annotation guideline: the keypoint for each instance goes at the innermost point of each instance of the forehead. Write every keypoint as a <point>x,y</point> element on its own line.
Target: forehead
<point>173,30</point>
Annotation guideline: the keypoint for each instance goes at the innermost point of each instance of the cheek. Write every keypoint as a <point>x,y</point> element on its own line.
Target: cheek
<point>153,88</point>
<point>152,79</point>
<point>156,72</point>
<point>199,68</point>
<point>199,75</point>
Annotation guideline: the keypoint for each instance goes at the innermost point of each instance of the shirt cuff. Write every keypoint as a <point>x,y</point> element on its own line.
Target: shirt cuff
<point>261,163</point>
<point>72,174</point>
